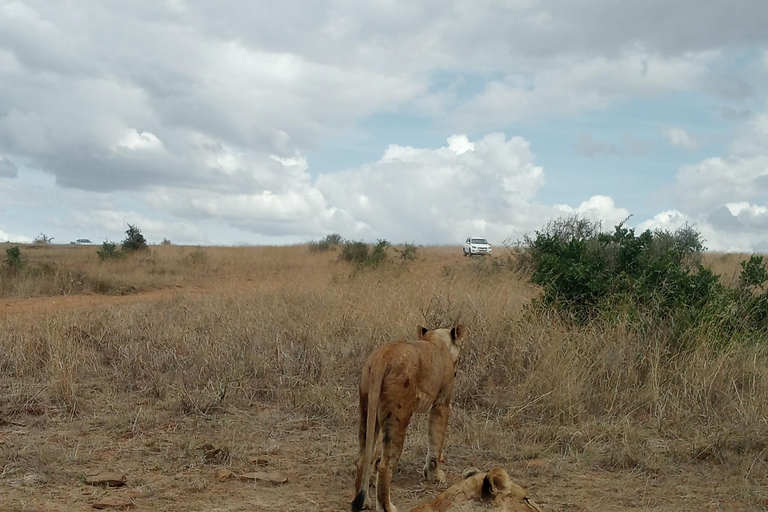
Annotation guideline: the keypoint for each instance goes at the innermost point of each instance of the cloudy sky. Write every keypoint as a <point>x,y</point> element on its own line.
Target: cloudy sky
<point>282,121</point>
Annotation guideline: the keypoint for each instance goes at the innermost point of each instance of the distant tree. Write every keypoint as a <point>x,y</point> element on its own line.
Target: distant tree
<point>13,258</point>
<point>43,239</point>
<point>134,240</point>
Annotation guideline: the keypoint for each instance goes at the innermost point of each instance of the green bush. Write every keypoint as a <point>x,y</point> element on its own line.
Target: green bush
<point>13,258</point>
<point>354,252</point>
<point>657,275</point>
<point>325,244</point>
<point>109,251</point>
<point>363,255</point>
<point>134,240</point>
<point>753,273</point>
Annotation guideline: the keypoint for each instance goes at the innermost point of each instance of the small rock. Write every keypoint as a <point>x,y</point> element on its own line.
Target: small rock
<point>108,479</point>
<point>275,477</point>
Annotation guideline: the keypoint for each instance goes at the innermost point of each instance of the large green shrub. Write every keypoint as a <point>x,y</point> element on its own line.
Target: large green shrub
<point>134,240</point>
<point>588,274</point>
<point>363,255</point>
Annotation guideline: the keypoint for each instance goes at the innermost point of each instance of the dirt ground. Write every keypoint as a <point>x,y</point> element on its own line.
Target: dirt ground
<point>171,462</point>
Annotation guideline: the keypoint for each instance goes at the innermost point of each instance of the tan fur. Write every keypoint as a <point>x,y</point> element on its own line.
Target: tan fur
<point>493,490</point>
<point>398,380</point>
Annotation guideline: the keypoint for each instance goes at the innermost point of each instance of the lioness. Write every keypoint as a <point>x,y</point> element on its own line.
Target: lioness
<point>482,492</point>
<point>400,379</point>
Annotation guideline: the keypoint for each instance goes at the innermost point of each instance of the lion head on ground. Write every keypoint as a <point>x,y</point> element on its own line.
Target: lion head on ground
<point>477,491</point>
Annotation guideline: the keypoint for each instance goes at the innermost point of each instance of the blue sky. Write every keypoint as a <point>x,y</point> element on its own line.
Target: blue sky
<point>412,121</point>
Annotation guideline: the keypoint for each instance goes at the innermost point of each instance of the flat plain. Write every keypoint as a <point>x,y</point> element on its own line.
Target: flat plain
<point>179,365</point>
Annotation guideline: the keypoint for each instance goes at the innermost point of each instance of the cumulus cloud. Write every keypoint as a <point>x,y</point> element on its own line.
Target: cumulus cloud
<point>679,138</point>
<point>187,112</point>
<point>727,196</point>
<point>574,85</point>
<point>721,229</point>
<point>486,187</point>
<point>8,237</point>
<point>79,102</point>
<point>715,181</point>
<point>597,209</point>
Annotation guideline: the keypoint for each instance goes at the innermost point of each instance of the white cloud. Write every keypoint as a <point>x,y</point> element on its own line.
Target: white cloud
<point>715,181</point>
<point>668,220</point>
<point>726,197</point>
<point>598,209</point>
<point>572,85</point>
<point>680,138</point>
<point>144,141</point>
<point>183,111</point>
<point>722,230</point>
<point>486,187</point>
<point>9,237</point>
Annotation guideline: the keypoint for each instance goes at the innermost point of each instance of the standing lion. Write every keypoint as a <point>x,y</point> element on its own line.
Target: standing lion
<point>398,380</point>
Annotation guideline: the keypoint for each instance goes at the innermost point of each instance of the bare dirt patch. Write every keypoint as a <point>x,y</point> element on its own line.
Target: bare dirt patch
<point>167,470</point>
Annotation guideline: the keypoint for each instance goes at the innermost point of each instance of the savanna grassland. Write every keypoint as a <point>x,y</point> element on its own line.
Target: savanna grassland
<point>177,362</point>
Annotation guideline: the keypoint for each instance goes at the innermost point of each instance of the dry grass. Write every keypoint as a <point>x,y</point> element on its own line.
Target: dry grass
<point>241,329</point>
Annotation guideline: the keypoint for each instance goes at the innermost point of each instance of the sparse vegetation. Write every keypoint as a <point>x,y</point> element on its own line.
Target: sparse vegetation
<point>109,251</point>
<point>265,346</point>
<point>326,244</point>
<point>363,255</point>
<point>42,239</point>
<point>408,252</point>
<point>197,257</point>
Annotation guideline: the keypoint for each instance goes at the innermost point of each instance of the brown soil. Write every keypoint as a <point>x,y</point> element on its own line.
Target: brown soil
<point>173,467</point>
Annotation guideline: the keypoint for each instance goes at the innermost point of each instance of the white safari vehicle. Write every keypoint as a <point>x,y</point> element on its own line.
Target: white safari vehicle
<point>476,245</point>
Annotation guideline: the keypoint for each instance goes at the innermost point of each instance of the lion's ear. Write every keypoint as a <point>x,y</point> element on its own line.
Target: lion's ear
<point>421,332</point>
<point>469,472</point>
<point>459,332</point>
<point>496,481</point>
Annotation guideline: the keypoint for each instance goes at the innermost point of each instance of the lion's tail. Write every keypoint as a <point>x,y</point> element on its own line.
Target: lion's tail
<point>370,440</point>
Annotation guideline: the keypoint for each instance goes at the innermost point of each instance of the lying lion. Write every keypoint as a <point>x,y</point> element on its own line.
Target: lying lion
<point>398,380</point>
<point>482,491</point>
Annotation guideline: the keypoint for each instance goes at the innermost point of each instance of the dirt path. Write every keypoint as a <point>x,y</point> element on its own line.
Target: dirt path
<point>42,305</point>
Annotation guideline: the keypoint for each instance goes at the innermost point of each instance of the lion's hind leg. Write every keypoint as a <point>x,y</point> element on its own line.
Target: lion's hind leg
<point>393,438</point>
<point>438,423</point>
<point>363,498</point>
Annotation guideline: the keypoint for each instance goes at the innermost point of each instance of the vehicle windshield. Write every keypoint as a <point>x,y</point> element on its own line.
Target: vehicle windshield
<point>479,241</point>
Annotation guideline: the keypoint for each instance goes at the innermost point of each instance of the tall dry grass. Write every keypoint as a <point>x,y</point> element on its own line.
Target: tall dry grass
<point>284,327</point>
